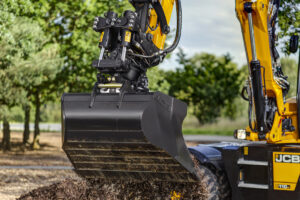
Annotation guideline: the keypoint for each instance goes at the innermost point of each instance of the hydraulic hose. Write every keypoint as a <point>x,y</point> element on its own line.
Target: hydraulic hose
<point>177,37</point>
<point>178,28</point>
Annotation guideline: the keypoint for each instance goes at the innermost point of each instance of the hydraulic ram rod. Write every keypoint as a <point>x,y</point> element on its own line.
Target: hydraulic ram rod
<point>252,37</point>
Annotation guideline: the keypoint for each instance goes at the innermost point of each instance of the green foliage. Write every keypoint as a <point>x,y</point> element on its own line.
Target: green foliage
<point>50,112</point>
<point>290,68</point>
<point>289,20</point>
<point>206,82</point>
<point>239,107</point>
<point>10,9</point>
<point>12,48</point>
<point>157,80</point>
<point>207,132</point>
<point>26,60</point>
<point>33,63</point>
<point>69,23</point>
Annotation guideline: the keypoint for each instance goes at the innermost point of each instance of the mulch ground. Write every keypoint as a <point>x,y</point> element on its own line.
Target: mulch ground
<point>65,184</point>
<point>103,190</point>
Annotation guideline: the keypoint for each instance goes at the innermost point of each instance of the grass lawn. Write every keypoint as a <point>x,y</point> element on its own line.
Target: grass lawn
<point>221,127</point>
<point>207,132</point>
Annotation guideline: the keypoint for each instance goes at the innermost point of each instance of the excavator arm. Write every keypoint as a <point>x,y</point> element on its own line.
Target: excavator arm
<point>272,117</point>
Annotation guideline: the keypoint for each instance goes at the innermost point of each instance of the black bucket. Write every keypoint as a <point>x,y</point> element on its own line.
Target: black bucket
<point>138,139</point>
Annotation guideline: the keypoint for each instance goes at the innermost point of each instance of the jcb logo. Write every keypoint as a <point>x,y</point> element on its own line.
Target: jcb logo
<point>286,158</point>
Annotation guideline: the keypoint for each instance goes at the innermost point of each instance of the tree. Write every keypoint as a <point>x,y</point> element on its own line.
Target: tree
<point>206,82</point>
<point>38,71</point>
<point>289,66</point>
<point>10,48</point>
<point>157,80</point>
<point>69,23</point>
<point>8,12</point>
<point>26,60</point>
<point>35,69</point>
<point>289,21</point>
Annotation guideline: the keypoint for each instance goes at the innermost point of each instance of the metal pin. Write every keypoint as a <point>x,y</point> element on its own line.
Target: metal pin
<point>101,55</point>
<point>123,54</point>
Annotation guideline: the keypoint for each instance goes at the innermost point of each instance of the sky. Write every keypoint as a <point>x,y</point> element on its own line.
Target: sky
<point>209,26</point>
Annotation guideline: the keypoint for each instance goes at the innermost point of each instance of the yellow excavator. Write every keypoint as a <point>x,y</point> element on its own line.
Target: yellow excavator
<point>121,130</point>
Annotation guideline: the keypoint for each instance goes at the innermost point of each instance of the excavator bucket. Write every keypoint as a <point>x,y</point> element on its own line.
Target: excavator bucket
<point>137,137</point>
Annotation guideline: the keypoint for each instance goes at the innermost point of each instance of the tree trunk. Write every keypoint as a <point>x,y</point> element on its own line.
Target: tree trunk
<point>26,132</point>
<point>6,135</point>
<point>36,138</point>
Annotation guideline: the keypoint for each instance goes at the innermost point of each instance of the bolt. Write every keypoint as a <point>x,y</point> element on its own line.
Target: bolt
<point>149,36</point>
<point>167,29</point>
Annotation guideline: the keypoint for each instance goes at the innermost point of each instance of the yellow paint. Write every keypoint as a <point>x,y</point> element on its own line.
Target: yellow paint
<point>246,151</point>
<point>285,175</point>
<point>158,37</point>
<point>260,17</point>
<point>176,196</point>
<point>110,85</point>
<point>101,36</point>
<point>241,175</point>
<point>127,36</point>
